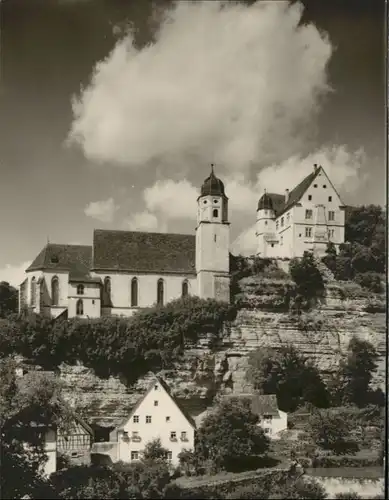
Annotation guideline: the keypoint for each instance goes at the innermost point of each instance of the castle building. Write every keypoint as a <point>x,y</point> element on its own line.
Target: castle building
<point>306,218</point>
<point>124,271</point>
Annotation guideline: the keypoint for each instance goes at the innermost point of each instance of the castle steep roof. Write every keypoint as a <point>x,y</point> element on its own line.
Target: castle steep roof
<point>278,200</point>
<point>138,251</point>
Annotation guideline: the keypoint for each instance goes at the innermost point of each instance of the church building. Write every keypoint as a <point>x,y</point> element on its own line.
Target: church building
<point>124,271</point>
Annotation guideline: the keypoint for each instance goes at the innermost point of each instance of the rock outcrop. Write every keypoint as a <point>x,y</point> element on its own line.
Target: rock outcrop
<point>261,322</point>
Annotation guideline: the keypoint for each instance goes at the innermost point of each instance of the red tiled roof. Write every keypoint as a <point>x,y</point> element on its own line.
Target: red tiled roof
<point>140,251</point>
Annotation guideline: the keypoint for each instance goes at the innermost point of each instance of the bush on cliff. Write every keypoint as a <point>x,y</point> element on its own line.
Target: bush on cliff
<point>351,383</point>
<point>230,435</point>
<point>309,281</point>
<point>288,374</point>
<point>150,340</point>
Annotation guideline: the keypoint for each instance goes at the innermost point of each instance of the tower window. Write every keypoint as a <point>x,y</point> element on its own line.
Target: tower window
<point>134,292</point>
<point>308,232</point>
<point>80,289</point>
<point>330,198</point>
<point>214,237</point>
<point>54,291</point>
<point>216,212</point>
<point>160,292</point>
<point>308,214</point>
<point>310,197</point>
<point>204,202</point>
<point>79,308</point>
<point>215,201</point>
<point>265,222</point>
<point>185,288</point>
<point>331,215</point>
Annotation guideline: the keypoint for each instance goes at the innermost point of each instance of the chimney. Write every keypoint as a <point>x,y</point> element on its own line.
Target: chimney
<point>286,195</point>
<point>315,167</point>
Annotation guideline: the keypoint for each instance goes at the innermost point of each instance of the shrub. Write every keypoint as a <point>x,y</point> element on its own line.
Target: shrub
<point>371,281</point>
<point>350,495</point>
<point>335,461</point>
<point>308,279</point>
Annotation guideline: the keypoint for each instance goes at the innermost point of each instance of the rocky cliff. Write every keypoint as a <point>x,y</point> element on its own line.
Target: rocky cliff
<point>262,320</point>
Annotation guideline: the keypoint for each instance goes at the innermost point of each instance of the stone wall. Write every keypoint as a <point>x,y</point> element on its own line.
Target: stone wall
<point>204,373</point>
<point>365,488</point>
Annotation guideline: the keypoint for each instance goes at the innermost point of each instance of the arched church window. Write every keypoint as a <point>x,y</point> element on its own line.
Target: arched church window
<point>134,292</point>
<point>216,212</point>
<point>54,291</point>
<point>107,291</point>
<point>33,291</point>
<point>160,292</point>
<point>185,288</point>
<point>80,289</point>
<point>80,308</point>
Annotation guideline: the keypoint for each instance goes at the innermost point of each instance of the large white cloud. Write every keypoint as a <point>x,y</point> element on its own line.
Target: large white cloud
<point>172,199</point>
<point>144,221</point>
<point>223,82</point>
<point>103,210</point>
<point>14,274</point>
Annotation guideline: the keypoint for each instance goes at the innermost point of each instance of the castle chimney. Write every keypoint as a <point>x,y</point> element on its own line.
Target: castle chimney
<point>286,195</point>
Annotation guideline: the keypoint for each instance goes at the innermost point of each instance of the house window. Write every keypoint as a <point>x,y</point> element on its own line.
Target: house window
<point>315,185</point>
<point>185,288</point>
<point>107,291</point>
<point>54,291</point>
<point>324,186</point>
<point>277,225</point>
<point>135,434</point>
<point>184,436</point>
<point>80,308</point>
<point>134,292</point>
<point>308,214</point>
<point>331,233</point>
<point>156,388</point>
<point>80,289</point>
<point>135,419</point>
<point>167,419</point>
<point>216,212</point>
<point>160,292</point>
<point>287,217</point>
<point>331,215</point>
<point>169,455</point>
<point>148,419</point>
<point>282,240</point>
<point>272,245</point>
<point>155,403</point>
<point>309,197</point>
<point>135,455</point>
<point>308,232</point>
<point>214,238</point>
<point>33,291</point>
<point>330,198</point>
<point>173,436</point>
<point>267,419</point>
<point>282,222</point>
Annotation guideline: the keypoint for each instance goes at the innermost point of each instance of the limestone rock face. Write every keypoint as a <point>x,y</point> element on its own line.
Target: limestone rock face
<point>322,336</point>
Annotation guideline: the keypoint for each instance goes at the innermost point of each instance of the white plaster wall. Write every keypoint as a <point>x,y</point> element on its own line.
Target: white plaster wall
<point>147,290</point>
<point>51,452</point>
<point>276,425</point>
<point>213,247</point>
<point>91,300</point>
<point>158,428</point>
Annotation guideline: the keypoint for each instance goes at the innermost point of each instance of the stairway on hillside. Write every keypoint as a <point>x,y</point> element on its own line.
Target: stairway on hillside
<point>326,273</point>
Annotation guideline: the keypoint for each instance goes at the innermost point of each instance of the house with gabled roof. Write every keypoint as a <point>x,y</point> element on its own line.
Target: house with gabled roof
<point>126,270</point>
<point>157,414</point>
<point>306,218</point>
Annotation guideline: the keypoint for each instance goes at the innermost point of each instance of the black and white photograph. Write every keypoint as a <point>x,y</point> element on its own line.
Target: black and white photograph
<point>193,257</point>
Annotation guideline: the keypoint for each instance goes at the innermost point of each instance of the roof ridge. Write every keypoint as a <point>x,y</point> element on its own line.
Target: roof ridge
<point>140,232</point>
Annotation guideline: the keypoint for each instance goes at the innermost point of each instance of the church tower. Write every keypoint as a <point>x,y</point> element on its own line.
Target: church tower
<point>213,241</point>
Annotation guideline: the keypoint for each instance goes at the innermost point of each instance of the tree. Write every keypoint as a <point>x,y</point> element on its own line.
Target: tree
<point>154,451</point>
<point>331,431</point>
<point>356,372</point>
<point>289,375</point>
<point>230,433</point>
<point>9,299</point>
<point>35,399</point>
<point>330,257</point>
<point>308,279</point>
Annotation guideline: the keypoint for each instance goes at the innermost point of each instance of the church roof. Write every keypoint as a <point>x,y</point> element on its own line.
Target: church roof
<point>144,252</point>
<point>278,200</point>
<point>74,258</point>
<point>212,186</point>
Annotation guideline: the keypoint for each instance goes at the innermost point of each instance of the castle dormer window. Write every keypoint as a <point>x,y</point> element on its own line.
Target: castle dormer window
<point>54,259</point>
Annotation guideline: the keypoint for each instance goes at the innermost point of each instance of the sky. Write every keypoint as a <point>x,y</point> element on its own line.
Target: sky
<point>111,112</point>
